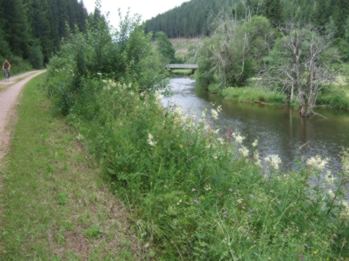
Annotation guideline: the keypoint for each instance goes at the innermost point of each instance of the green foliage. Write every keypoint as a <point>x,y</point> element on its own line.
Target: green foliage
<point>251,94</point>
<point>125,56</point>
<point>334,97</point>
<point>232,54</point>
<point>36,57</point>
<point>165,47</point>
<point>193,197</point>
<point>93,232</point>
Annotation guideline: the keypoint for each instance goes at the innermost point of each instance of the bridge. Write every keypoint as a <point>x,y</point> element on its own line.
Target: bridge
<point>192,67</point>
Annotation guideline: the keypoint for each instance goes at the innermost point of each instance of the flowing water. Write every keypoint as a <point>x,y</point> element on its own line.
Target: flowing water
<point>280,130</point>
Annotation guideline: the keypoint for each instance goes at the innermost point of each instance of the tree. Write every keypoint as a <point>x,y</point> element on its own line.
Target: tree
<point>234,50</point>
<point>165,47</point>
<point>302,63</point>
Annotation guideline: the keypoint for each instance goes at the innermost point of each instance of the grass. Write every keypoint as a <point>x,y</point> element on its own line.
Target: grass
<point>334,96</point>
<point>251,94</point>
<point>55,205</point>
<point>182,72</point>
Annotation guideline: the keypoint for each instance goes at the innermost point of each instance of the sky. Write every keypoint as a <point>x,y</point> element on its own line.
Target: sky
<point>146,8</point>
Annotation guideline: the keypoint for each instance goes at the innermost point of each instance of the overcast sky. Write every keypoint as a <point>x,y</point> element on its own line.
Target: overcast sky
<point>146,8</point>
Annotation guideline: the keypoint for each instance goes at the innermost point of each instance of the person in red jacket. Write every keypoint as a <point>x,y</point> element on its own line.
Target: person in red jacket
<point>6,67</point>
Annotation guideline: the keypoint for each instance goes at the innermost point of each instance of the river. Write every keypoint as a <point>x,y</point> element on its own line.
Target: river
<point>280,130</point>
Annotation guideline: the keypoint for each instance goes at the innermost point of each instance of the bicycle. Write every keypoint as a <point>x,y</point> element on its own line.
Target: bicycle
<point>7,75</point>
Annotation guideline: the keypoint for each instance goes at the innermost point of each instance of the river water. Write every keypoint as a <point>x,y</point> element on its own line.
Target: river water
<point>280,130</point>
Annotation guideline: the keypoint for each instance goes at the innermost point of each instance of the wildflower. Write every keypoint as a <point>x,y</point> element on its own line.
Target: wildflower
<point>239,201</point>
<point>238,138</point>
<point>216,131</point>
<point>158,95</point>
<point>207,187</point>
<point>230,190</point>
<point>214,114</point>
<point>99,73</point>
<point>300,256</point>
<point>180,145</point>
<point>220,140</point>
<point>329,178</point>
<point>215,156</point>
<point>150,140</point>
<point>330,192</point>
<point>179,202</point>
<point>256,158</point>
<point>80,137</point>
<point>317,163</point>
<point>312,233</point>
<point>244,151</point>
<point>316,252</point>
<point>273,160</point>
<point>193,190</point>
<point>251,197</point>
<point>271,191</point>
<point>255,143</point>
<point>196,201</point>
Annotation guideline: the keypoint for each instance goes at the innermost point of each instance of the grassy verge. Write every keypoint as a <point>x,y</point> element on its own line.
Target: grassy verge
<point>54,204</point>
<point>335,96</point>
<point>250,94</point>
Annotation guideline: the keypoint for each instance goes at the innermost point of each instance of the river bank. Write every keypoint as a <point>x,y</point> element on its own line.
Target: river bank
<point>331,97</point>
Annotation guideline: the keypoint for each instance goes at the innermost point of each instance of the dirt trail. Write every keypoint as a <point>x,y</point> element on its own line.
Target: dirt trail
<point>9,92</point>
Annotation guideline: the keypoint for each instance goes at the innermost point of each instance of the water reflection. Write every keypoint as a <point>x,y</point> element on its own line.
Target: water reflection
<point>280,130</point>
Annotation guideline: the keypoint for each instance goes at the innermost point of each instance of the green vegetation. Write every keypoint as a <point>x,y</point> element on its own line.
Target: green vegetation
<point>251,94</point>
<point>195,18</point>
<point>31,30</point>
<point>193,194</point>
<point>54,204</point>
<point>182,72</point>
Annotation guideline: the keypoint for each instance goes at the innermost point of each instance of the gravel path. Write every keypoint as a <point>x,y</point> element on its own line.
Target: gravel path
<point>9,92</point>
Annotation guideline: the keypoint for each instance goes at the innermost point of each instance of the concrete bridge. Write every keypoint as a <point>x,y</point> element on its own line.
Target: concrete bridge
<point>192,67</point>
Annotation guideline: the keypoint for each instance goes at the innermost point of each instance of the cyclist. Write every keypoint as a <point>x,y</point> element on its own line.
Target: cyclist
<point>6,67</point>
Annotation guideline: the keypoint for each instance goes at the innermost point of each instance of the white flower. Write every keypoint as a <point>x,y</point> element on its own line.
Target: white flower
<point>220,140</point>
<point>332,195</point>
<point>317,163</point>
<point>255,143</point>
<point>203,113</point>
<point>178,109</point>
<point>329,178</point>
<point>158,95</point>
<point>244,151</point>
<point>150,140</point>
<point>238,138</point>
<point>216,131</point>
<point>214,114</point>
<point>207,187</point>
<point>257,160</point>
<point>273,161</point>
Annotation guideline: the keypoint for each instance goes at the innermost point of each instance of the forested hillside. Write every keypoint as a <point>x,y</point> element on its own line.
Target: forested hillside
<point>32,29</point>
<point>194,18</point>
